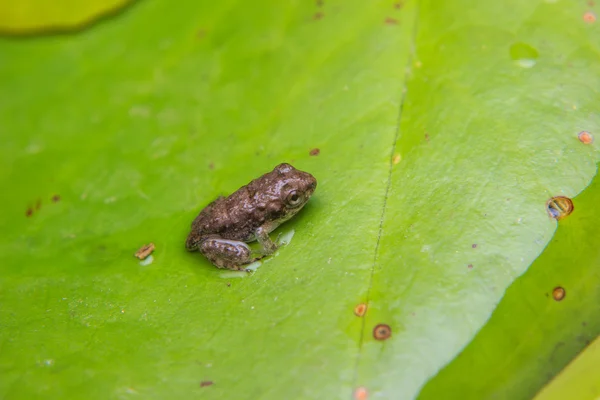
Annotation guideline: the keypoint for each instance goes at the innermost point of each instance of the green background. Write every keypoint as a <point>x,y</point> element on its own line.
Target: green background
<point>443,129</point>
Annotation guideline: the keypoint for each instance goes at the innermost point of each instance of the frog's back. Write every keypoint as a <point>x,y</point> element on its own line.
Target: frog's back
<point>231,218</point>
<point>210,219</point>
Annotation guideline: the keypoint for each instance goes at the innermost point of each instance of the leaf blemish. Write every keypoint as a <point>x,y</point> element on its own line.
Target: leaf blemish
<point>314,152</point>
<point>382,332</point>
<point>585,137</point>
<point>589,17</point>
<point>558,293</point>
<point>360,309</point>
<point>391,21</point>
<point>361,393</point>
<point>318,16</point>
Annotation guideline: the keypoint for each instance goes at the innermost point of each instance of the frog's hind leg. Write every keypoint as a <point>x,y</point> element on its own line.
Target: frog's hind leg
<point>223,253</point>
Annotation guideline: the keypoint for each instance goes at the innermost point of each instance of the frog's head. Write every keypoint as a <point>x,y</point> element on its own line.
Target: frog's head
<point>294,188</point>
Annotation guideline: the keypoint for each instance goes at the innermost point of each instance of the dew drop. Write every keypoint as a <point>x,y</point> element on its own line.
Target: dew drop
<point>559,207</point>
<point>523,55</point>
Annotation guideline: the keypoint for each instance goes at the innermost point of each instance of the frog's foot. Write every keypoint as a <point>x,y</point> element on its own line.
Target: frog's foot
<point>268,246</point>
<point>223,253</point>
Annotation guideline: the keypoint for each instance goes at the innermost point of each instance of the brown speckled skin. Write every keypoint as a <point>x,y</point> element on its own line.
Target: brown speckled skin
<point>223,227</point>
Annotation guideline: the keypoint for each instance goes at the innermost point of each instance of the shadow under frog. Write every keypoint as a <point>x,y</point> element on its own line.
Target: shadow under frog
<point>222,229</point>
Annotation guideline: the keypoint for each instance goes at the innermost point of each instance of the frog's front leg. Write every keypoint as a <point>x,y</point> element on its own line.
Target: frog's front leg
<point>224,253</point>
<point>268,246</point>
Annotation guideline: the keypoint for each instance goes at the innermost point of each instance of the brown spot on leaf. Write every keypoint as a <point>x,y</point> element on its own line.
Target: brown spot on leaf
<point>228,284</point>
<point>396,159</point>
<point>382,332</point>
<point>360,309</point>
<point>585,137</point>
<point>206,383</point>
<point>470,266</point>
<point>398,5</point>
<point>589,17</point>
<point>29,212</point>
<point>38,204</point>
<point>391,21</point>
<point>474,245</point>
<point>144,251</point>
<point>319,3</point>
<point>211,165</point>
<point>56,198</point>
<point>559,207</point>
<point>558,293</point>
<point>361,393</point>
<point>314,152</point>
<point>318,15</point>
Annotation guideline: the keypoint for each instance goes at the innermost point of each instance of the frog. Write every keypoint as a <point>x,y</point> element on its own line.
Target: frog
<point>222,230</point>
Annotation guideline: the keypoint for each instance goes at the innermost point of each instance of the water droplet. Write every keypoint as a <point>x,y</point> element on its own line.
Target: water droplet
<point>147,261</point>
<point>242,274</point>
<point>382,332</point>
<point>559,207</point>
<point>585,137</point>
<point>558,293</point>
<point>523,55</point>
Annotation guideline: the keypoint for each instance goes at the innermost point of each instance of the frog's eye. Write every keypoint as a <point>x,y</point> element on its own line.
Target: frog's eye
<point>293,199</point>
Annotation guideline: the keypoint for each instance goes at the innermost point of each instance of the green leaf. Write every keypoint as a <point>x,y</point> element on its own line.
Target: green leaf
<point>485,142</point>
<point>578,380</point>
<point>438,130</point>
<point>531,336</point>
<point>138,125</point>
<point>34,16</point>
